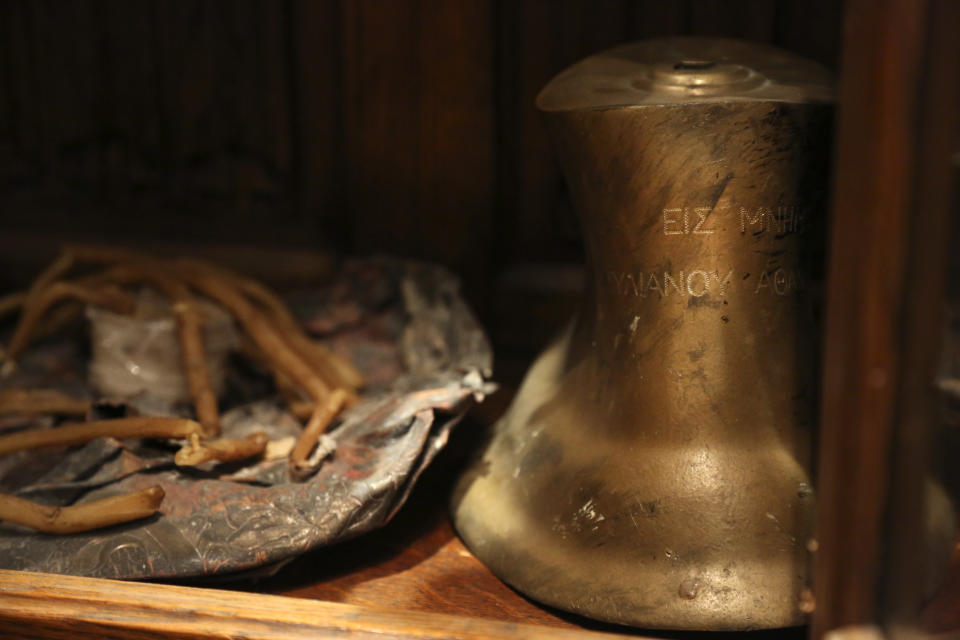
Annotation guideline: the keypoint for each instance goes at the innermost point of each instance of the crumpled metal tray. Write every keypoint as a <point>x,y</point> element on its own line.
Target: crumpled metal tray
<point>426,359</point>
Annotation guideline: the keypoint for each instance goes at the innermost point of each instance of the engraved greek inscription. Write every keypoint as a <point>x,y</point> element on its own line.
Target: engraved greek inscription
<point>700,282</point>
<point>683,221</point>
<point>782,281</point>
<point>790,219</point>
<point>786,219</point>
<point>670,222</point>
<point>783,219</point>
<point>637,289</point>
<point>763,282</point>
<point>722,284</point>
<point>668,282</point>
<point>696,283</point>
<point>625,284</point>
<point>654,284</point>
<point>756,220</point>
<point>704,284</point>
<point>702,214</point>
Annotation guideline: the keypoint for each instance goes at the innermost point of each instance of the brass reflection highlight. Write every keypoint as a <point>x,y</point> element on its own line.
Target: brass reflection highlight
<point>654,469</point>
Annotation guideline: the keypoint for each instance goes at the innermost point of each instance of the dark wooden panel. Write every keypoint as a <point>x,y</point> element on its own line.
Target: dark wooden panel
<point>897,118</point>
<point>382,127</point>
<point>316,76</point>
<point>153,115</point>
<point>654,18</point>
<point>924,336</point>
<point>746,19</point>
<point>810,28</point>
<point>225,98</point>
<point>865,285</point>
<point>405,127</point>
<point>538,39</point>
<point>456,124</point>
<point>402,126</point>
<point>419,128</point>
<point>51,75</point>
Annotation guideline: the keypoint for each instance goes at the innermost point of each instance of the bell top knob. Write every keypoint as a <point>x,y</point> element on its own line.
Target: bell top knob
<point>669,71</point>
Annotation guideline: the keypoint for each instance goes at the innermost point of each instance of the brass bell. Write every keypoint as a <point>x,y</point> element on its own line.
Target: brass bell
<point>654,468</point>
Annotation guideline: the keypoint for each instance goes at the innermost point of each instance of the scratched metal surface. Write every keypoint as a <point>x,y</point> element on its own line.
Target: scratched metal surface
<point>427,361</point>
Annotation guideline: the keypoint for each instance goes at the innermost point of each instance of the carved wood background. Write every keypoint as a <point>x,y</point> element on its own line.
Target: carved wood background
<point>360,125</point>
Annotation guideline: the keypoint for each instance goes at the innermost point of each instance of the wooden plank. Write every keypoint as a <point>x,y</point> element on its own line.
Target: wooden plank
<point>656,19</point>
<point>225,97</point>
<point>32,51</point>
<point>419,125</point>
<point>456,151</point>
<point>24,255</point>
<point>538,39</point>
<point>14,163</point>
<point>111,155</point>
<point>810,28</point>
<point>746,19</point>
<point>942,613</point>
<point>932,236</point>
<point>316,79</point>
<point>35,604</point>
<point>415,564</point>
<point>867,297</point>
<point>117,107</point>
<point>382,136</point>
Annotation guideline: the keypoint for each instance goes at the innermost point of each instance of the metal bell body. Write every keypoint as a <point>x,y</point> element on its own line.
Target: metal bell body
<point>654,469</point>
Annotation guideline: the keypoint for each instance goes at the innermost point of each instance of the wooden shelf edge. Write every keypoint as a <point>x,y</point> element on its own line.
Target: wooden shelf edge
<point>45,605</point>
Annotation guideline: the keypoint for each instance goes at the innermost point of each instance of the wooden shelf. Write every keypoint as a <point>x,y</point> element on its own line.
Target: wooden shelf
<point>413,578</point>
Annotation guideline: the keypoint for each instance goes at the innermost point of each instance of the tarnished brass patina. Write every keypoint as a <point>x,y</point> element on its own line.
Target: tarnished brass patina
<point>654,469</point>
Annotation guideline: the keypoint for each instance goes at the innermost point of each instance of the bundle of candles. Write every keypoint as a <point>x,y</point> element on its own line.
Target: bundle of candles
<point>317,383</point>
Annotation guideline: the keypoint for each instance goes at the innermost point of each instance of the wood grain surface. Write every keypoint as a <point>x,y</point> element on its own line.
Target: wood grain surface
<point>37,605</point>
<point>896,135</point>
<point>411,579</point>
<point>405,126</point>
